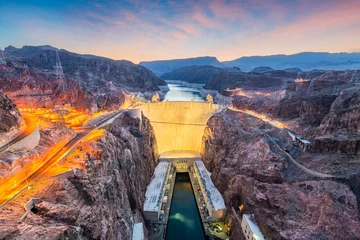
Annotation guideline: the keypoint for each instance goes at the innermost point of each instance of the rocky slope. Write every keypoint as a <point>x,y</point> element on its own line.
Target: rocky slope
<point>9,114</point>
<point>324,104</point>
<point>196,74</point>
<point>28,76</point>
<point>102,201</point>
<point>262,69</point>
<point>163,66</point>
<point>288,203</point>
<point>94,71</point>
<point>28,88</point>
<point>268,80</point>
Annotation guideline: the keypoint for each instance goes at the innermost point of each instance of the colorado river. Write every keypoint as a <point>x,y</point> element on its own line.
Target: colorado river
<point>184,219</point>
<point>180,92</point>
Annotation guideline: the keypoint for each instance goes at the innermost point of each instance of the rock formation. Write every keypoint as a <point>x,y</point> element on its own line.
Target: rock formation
<point>102,201</point>
<point>90,82</point>
<point>9,114</point>
<point>163,66</point>
<point>196,74</point>
<point>94,71</point>
<point>288,203</point>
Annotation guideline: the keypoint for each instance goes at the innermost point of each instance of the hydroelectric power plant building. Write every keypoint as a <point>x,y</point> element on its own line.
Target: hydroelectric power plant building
<point>155,193</point>
<point>214,201</point>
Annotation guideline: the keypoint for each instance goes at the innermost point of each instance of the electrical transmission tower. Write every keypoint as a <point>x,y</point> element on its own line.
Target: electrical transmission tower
<point>59,71</point>
<point>2,57</point>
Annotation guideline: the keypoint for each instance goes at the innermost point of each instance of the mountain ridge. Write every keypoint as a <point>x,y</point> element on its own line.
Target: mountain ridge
<point>303,60</point>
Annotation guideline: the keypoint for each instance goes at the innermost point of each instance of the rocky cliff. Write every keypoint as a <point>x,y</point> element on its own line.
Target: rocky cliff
<point>325,104</point>
<point>95,72</point>
<point>104,199</point>
<point>267,80</point>
<point>28,76</point>
<point>163,66</point>
<point>255,176</point>
<point>28,88</point>
<point>196,74</point>
<point>9,114</point>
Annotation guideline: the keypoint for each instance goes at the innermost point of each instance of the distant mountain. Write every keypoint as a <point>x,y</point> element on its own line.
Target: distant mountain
<point>196,74</point>
<point>262,69</point>
<point>93,71</point>
<point>293,70</point>
<point>269,80</point>
<point>163,66</point>
<point>304,61</point>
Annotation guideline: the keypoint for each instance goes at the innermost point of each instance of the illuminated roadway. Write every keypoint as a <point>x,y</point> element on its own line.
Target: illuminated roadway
<point>49,162</point>
<point>31,125</point>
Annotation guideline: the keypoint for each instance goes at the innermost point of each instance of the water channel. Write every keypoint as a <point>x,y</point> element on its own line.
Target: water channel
<point>184,219</point>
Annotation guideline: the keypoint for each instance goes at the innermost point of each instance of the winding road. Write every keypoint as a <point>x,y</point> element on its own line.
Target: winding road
<point>6,196</point>
<point>31,125</point>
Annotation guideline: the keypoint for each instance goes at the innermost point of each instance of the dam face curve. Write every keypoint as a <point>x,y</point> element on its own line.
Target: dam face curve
<point>179,125</point>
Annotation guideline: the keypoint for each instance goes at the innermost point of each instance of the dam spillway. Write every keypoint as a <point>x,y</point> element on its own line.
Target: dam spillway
<point>179,125</point>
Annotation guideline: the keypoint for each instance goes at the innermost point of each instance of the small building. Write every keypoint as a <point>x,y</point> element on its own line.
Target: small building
<point>299,140</point>
<point>303,143</point>
<point>154,192</point>
<point>182,165</point>
<point>181,160</point>
<point>212,197</point>
<point>250,228</point>
<point>138,231</point>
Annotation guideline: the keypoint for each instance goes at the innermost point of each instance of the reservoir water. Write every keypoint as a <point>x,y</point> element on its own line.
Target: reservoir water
<point>184,219</point>
<point>180,92</point>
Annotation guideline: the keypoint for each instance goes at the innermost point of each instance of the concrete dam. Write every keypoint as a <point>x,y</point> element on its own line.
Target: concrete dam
<point>179,125</point>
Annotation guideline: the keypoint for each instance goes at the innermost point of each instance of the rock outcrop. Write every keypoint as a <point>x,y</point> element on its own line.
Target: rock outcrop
<point>301,210</point>
<point>231,80</point>
<point>196,74</point>
<point>287,202</point>
<point>28,76</point>
<point>9,114</point>
<point>28,88</point>
<point>262,69</point>
<point>105,199</point>
<point>344,115</point>
<point>94,71</point>
<point>163,66</point>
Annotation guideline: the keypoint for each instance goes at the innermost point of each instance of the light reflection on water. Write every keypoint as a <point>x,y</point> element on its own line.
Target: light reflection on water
<point>179,92</point>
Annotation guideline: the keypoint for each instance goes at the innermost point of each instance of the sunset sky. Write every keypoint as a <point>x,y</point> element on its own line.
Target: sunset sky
<point>139,30</point>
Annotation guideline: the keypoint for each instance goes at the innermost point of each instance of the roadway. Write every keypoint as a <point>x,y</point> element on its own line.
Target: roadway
<point>295,162</point>
<point>49,162</point>
<point>31,125</point>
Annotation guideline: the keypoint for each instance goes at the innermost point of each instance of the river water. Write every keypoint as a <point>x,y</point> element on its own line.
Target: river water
<point>180,92</point>
<point>184,219</point>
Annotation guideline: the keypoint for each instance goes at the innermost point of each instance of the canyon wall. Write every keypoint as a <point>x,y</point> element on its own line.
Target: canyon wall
<point>28,76</point>
<point>9,114</point>
<point>103,200</point>
<point>252,173</point>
